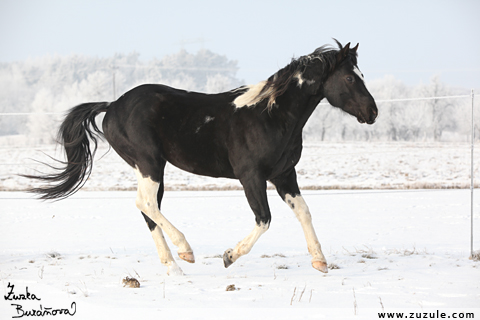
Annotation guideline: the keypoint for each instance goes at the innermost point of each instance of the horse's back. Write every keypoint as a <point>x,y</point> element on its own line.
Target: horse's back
<point>155,123</point>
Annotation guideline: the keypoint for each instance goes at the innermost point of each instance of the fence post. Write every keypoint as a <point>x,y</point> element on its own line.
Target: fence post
<point>471,180</point>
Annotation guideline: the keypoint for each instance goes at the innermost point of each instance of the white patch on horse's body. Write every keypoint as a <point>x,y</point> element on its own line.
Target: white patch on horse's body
<point>358,73</point>
<point>254,95</point>
<point>207,120</point>
<point>300,208</point>
<point>146,202</point>
<point>301,80</point>
<point>244,246</point>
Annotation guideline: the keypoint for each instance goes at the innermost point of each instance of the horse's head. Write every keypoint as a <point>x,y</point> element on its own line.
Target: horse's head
<point>345,87</point>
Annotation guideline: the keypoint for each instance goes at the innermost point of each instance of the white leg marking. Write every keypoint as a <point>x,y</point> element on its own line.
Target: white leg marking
<point>147,202</point>
<point>244,246</point>
<point>300,208</point>
<point>164,253</point>
<point>358,73</point>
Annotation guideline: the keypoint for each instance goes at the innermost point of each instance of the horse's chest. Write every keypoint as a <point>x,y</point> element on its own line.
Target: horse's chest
<point>285,161</point>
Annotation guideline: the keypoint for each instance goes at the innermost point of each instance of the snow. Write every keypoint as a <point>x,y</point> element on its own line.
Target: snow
<point>397,250</point>
<point>325,165</point>
<point>398,245</point>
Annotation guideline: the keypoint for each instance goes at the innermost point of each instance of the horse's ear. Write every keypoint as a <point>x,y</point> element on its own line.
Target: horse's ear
<point>342,54</point>
<point>355,48</point>
<point>346,48</point>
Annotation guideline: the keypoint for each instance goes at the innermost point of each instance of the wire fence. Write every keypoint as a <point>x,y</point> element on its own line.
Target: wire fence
<point>379,101</point>
<point>323,103</point>
<point>30,164</point>
<point>472,160</point>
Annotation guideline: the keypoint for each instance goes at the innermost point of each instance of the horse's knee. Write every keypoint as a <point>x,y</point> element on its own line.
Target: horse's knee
<point>299,207</point>
<point>263,222</point>
<point>264,225</point>
<point>144,204</point>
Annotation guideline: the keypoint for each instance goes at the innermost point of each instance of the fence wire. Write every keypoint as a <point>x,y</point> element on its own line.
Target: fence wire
<point>322,103</point>
<point>335,193</point>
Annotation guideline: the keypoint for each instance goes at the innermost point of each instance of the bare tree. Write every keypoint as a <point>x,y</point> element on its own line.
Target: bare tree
<point>441,111</point>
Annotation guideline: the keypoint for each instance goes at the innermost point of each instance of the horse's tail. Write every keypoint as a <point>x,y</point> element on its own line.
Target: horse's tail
<point>75,133</point>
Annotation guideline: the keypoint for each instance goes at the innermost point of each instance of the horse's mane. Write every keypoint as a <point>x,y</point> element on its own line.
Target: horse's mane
<point>278,83</point>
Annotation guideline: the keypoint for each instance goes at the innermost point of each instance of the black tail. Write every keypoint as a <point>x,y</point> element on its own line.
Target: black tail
<point>75,134</point>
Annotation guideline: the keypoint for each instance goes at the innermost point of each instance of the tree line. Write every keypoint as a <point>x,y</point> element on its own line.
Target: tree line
<point>53,84</point>
<point>425,119</point>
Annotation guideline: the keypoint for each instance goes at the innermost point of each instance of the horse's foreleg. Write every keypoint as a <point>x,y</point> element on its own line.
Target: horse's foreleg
<point>287,188</point>
<point>255,190</point>
<point>244,246</point>
<point>300,208</point>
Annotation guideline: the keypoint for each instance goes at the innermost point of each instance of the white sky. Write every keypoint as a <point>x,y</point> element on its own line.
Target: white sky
<point>412,40</point>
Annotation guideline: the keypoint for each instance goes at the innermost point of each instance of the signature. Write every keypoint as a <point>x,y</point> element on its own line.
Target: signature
<point>27,296</point>
<point>35,312</point>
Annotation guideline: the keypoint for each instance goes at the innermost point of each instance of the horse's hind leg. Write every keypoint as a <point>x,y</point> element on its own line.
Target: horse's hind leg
<point>162,248</point>
<point>184,250</point>
<point>148,201</point>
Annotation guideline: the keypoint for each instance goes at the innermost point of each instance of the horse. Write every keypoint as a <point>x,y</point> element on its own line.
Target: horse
<point>252,133</point>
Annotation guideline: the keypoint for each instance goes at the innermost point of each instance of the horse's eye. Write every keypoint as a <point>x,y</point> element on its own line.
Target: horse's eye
<point>350,79</point>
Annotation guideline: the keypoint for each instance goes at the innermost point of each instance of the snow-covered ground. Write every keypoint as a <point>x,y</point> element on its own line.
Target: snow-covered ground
<point>388,250</point>
<point>403,251</point>
<point>347,165</point>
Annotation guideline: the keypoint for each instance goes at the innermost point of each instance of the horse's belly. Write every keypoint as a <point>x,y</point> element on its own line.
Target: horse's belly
<point>199,160</point>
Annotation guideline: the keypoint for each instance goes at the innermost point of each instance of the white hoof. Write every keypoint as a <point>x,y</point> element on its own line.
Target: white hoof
<point>174,269</point>
<point>320,266</point>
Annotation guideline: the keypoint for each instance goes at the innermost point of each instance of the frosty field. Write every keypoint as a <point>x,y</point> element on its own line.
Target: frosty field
<point>401,244</point>
<point>404,251</point>
<point>324,165</point>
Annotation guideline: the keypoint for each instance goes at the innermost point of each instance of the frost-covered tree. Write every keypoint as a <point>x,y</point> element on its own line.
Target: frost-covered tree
<point>439,112</point>
<point>15,96</point>
<point>393,117</point>
<point>411,120</point>
<point>204,71</point>
<point>57,83</point>
<point>219,83</point>
<point>40,124</point>
<point>320,123</point>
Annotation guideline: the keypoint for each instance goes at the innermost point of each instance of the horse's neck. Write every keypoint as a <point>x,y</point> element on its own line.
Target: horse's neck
<point>301,107</point>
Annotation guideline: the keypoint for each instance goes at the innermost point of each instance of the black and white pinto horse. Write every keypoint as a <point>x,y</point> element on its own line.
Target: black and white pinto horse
<point>252,133</point>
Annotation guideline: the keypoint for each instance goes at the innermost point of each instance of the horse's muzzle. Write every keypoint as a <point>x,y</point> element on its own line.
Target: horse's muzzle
<point>372,115</point>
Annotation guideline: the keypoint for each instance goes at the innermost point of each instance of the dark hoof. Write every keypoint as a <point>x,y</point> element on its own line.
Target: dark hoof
<point>227,258</point>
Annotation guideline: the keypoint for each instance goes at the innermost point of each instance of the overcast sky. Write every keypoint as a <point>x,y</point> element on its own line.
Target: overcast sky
<point>412,40</point>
